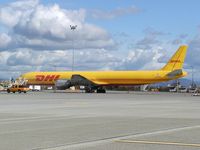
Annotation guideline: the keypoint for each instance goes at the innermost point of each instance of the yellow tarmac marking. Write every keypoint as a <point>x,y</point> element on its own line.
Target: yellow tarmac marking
<point>159,143</point>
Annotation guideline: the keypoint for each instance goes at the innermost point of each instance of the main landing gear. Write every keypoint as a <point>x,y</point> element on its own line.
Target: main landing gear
<point>101,90</point>
<point>92,90</point>
<point>89,90</point>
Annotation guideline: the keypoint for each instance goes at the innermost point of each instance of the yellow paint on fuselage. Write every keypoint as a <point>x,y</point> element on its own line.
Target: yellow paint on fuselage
<point>106,77</point>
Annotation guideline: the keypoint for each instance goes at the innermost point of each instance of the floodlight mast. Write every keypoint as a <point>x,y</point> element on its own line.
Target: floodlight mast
<point>192,75</point>
<point>73,27</point>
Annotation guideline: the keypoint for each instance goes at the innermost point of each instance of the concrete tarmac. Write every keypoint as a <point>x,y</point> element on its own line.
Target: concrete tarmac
<point>112,121</point>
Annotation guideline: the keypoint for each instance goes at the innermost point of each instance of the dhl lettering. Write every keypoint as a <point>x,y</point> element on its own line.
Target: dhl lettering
<point>175,61</point>
<point>39,77</point>
<point>56,77</point>
<point>47,77</point>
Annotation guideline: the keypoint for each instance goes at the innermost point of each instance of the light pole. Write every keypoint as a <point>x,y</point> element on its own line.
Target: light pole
<point>73,27</point>
<point>192,76</point>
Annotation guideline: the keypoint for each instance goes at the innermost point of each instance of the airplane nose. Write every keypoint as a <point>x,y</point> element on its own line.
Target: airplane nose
<point>21,76</point>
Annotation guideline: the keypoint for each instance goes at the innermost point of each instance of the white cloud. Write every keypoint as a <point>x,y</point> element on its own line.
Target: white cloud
<point>61,59</point>
<point>49,22</point>
<point>180,39</point>
<point>193,55</point>
<point>150,40</point>
<point>103,14</point>
<point>39,27</point>
<point>4,40</point>
<point>13,12</point>
<point>143,59</point>
<point>24,57</point>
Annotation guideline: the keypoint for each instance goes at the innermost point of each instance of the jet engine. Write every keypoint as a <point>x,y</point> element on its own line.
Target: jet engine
<point>63,84</point>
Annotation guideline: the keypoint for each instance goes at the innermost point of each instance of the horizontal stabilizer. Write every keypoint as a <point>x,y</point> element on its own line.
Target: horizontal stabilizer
<point>175,73</point>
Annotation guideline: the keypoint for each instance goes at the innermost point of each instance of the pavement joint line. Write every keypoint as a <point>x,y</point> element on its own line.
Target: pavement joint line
<point>113,139</point>
<point>159,143</point>
<point>36,119</point>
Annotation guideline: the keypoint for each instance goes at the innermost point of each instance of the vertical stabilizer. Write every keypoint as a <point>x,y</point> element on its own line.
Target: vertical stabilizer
<point>177,60</point>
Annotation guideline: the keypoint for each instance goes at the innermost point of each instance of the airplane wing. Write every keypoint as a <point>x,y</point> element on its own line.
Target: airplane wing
<point>77,79</point>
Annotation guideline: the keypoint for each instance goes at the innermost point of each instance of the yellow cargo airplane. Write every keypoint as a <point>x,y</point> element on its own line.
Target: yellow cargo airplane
<point>96,80</point>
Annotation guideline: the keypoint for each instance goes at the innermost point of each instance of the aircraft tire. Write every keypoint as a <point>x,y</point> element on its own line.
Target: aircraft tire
<point>89,91</point>
<point>101,91</point>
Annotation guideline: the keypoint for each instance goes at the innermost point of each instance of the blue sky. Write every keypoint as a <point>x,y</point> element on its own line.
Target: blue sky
<point>173,16</point>
<point>111,35</point>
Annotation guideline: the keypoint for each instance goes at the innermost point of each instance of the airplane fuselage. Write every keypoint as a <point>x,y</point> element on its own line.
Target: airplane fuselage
<point>101,77</point>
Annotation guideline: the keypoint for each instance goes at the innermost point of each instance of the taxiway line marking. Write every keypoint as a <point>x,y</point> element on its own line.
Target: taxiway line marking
<point>159,143</point>
<point>117,138</point>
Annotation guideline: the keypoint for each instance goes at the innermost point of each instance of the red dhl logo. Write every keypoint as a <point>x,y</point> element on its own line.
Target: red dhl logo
<point>175,61</point>
<point>46,77</point>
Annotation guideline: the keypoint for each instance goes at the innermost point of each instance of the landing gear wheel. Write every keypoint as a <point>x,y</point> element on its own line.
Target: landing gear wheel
<point>101,91</point>
<point>88,90</point>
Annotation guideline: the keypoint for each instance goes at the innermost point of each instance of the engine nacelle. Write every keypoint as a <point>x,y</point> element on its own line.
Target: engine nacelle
<point>63,84</point>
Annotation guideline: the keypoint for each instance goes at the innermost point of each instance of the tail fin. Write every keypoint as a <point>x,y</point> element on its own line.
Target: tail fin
<point>177,60</point>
